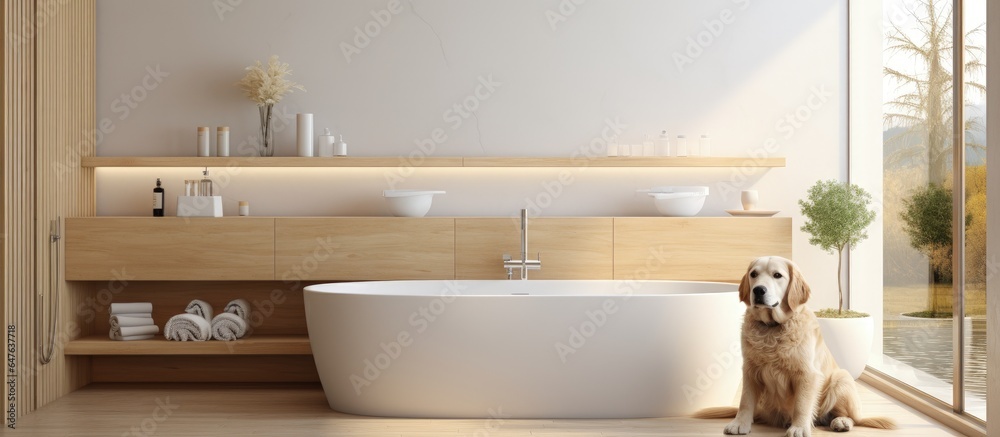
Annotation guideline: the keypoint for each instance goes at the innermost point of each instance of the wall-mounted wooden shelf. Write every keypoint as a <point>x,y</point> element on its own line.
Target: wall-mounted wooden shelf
<point>371,161</point>
<point>691,161</point>
<point>253,345</point>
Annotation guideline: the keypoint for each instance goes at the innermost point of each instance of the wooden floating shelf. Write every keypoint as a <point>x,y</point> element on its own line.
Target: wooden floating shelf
<point>694,161</point>
<point>253,345</point>
<point>256,161</point>
<point>390,161</point>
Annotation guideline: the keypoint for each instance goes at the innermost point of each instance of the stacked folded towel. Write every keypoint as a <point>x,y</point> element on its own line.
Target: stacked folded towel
<point>231,324</point>
<point>132,321</point>
<point>192,325</point>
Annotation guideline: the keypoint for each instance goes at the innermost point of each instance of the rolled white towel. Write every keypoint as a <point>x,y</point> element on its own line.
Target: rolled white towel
<point>134,337</point>
<point>131,307</point>
<point>123,321</point>
<point>240,307</point>
<point>133,331</point>
<point>228,327</point>
<point>187,327</point>
<point>201,308</point>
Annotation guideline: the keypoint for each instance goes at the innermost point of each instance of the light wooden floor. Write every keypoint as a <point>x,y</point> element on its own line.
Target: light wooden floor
<point>286,410</point>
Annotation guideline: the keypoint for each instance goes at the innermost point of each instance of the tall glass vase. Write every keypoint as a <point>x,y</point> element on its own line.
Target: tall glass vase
<point>265,145</point>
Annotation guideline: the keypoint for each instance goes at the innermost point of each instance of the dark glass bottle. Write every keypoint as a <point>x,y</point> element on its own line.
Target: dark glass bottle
<point>158,199</point>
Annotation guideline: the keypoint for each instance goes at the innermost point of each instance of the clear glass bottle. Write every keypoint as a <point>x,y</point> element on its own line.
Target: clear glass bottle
<point>682,148</point>
<point>205,185</point>
<point>648,146</point>
<point>663,144</point>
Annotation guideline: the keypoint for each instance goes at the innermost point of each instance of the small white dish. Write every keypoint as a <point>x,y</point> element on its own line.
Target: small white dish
<point>409,203</point>
<point>751,213</point>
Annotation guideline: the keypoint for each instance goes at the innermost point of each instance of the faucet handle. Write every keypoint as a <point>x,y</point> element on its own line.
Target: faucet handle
<point>506,257</point>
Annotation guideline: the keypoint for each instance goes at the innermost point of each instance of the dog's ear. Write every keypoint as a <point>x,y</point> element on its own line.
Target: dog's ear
<point>798,290</point>
<point>745,286</point>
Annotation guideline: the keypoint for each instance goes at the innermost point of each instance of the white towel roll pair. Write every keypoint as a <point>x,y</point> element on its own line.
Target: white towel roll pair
<point>192,325</point>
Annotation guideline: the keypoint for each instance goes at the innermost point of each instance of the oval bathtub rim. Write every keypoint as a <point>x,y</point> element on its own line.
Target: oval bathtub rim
<point>356,288</point>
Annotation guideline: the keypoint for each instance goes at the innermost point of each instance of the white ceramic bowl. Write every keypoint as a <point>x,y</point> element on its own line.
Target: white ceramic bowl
<point>680,201</point>
<point>409,203</point>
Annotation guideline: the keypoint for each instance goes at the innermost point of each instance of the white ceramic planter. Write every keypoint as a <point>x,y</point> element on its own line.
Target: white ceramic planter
<point>850,341</point>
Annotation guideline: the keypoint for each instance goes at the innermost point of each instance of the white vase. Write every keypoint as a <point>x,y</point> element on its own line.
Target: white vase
<point>849,340</point>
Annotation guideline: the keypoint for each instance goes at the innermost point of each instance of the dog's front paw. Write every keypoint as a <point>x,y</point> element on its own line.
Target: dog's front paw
<point>799,431</point>
<point>841,424</point>
<point>738,427</point>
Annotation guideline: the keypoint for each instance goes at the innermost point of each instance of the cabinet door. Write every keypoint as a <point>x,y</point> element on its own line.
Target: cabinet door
<point>697,248</point>
<point>569,248</point>
<point>169,248</point>
<point>364,248</point>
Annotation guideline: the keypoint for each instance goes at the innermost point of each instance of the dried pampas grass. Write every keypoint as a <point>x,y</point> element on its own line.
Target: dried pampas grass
<point>268,87</point>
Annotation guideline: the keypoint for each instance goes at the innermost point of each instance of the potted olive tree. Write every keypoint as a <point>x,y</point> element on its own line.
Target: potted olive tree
<point>837,215</point>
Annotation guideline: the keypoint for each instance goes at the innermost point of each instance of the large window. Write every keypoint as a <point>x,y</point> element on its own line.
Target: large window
<point>934,317</point>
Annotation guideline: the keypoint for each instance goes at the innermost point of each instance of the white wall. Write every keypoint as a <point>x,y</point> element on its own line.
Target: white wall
<point>866,159</point>
<point>560,85</point>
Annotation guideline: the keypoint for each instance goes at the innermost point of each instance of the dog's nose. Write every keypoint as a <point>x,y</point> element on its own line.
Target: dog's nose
<point>759,290</point>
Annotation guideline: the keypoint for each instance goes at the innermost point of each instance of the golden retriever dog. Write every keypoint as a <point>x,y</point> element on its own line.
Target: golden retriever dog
<point>789,377</point>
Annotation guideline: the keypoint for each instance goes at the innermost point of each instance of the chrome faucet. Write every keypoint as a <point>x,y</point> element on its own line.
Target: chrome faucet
<point>524,264</point>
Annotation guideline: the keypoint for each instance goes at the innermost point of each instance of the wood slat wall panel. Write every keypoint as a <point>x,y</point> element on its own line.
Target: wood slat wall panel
<point>373,248</point>
<point>66,114</point>
<point>697,249</point>
<point>570,248</point>
<point>146,249</point>
<point>18,200</point>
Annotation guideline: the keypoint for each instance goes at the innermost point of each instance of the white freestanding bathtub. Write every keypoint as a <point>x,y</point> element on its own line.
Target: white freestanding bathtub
<point>526,349</point>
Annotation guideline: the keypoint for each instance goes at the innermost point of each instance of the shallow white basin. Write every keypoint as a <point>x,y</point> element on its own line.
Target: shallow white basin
<point>679,201</point>
<point>409,203</point>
